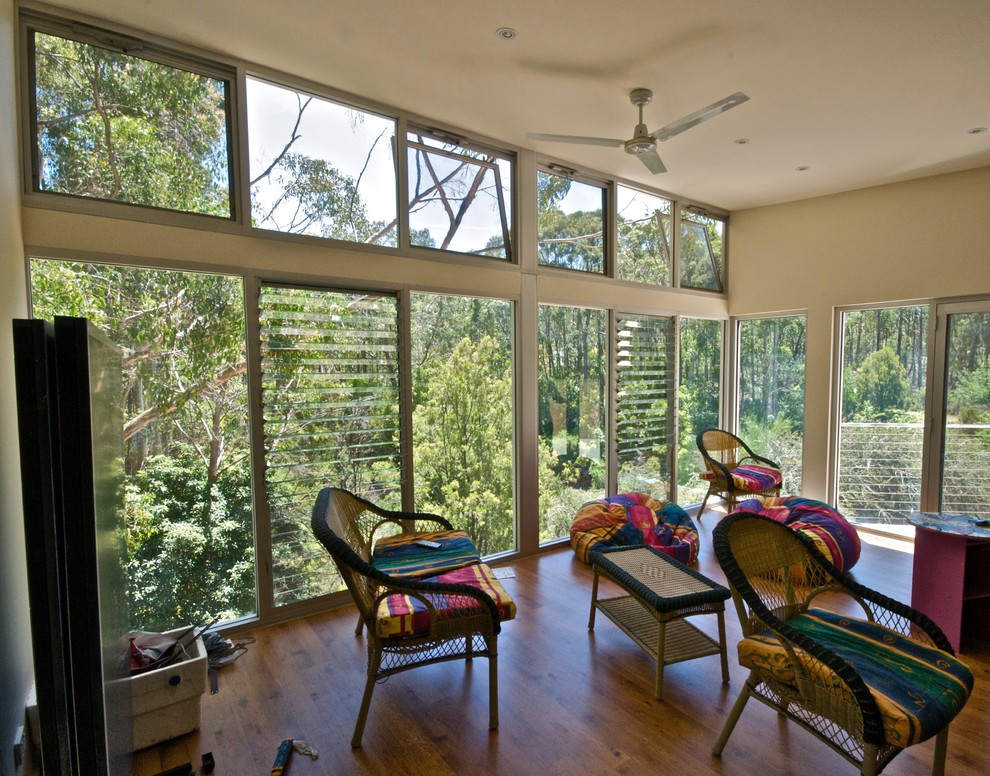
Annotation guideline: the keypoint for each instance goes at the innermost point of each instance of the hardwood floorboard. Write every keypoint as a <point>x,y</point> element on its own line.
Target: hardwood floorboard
<point>571,701</point>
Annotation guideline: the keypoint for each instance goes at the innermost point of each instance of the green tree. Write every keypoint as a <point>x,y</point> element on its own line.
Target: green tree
<point>881,386</point>
<point>463,457</point>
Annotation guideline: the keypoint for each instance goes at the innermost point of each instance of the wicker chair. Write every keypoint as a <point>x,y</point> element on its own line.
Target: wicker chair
<point>455,621</point>
<point>868,685</point>
<point>734,471</point>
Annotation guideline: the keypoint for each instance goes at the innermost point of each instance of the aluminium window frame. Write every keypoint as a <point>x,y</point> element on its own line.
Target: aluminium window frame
<point>32,22</point>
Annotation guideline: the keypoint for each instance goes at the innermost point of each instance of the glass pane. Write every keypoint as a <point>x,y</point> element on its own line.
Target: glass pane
<point>572,389</point>
<point>771,392</point>
<point>701,251</point>
<point>187,479</point>
<point>320,167</point>
<point>881,431</point>
<point>116,127</point>
<point>571,223</point>
<point>966,457</point>
<point>463,451</point>
<point>330,396</point>
<point>699,397</point>
<point>643,223</point>
<point>644,404</point>
<point>460,199</point>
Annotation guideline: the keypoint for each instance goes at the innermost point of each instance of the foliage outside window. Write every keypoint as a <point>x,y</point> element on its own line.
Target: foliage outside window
<point>570,223</point>
<point>320,167</point>
<point>463,453</point>
<point>572,375</point>
<point>330,397</point>
<point>701,251</point>
<point>881,433</point>
<point>771,392</point>
<point>966,454</point>
<point>118,127</point>
<point>460,198</point>
<point>643,228</point>
<point>187,483</point>
<point>645,404</point>
<point>699,400</point>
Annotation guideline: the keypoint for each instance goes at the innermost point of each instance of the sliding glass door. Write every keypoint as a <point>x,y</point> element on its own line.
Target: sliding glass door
<point>960,450</point>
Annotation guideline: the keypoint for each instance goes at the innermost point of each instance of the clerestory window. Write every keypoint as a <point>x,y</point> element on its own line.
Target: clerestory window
<point>460,195</point>
<point>320,167</point>
<point>110,125</point>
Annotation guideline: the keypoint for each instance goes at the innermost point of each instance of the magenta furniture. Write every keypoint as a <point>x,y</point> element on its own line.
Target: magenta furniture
<point>951,582</point>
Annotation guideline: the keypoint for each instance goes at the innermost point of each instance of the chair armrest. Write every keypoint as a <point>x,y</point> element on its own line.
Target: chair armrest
<point>760,460</point>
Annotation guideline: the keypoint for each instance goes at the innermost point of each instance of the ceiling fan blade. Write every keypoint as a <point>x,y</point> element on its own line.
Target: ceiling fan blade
<point>693,119</point>
<point>599,141</point>
<point>652,161</point>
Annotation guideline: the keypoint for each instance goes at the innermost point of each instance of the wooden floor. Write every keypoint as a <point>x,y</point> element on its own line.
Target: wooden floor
<point>571,701</point>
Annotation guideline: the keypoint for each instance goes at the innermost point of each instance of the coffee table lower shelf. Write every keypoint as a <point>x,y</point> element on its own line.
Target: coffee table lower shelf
<point>681,640</point>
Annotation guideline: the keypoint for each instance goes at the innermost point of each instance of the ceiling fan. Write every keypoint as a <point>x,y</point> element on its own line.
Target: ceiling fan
<point>643,143</point>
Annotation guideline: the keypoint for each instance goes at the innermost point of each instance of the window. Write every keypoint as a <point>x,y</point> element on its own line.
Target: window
<point>701,251</point>
<point>643,227</point>
<point>881,429</point>
<point>771,391</point>
<point>645,406</point>
<point>330,396</point>
<point>699,400</point>
<point>571,223</point>
<point>320,167</point>
<point>460,197</point>
<point>463,454</point>
<point>187,479</point>
<point>117,127</point>
<point>572,421</point>
<point>963,420</point>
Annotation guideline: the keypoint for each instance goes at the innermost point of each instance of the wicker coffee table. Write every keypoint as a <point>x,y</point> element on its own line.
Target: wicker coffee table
<point>662,593</point>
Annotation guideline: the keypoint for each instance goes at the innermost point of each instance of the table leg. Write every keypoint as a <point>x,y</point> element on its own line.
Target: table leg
<point>594,599</point>
<point>721,646</point>
<point>661,649</point>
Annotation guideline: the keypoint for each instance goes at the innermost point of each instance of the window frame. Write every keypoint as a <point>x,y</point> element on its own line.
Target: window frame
<point>142,47</point>
<point>608,208</point>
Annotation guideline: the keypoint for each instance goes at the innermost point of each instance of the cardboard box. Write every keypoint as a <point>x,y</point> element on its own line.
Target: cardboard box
<point>165,702</point>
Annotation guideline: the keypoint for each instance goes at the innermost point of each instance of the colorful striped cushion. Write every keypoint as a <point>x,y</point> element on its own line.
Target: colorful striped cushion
<point>400,616</point>
<point>633,519</point>
<point>400,555</point>
<point>918,689</point>
<point>750,477</point>
<point>834,536</point>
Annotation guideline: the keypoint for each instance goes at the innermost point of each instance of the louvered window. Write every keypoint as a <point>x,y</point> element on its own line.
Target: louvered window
<point>330,382</point>
<point>645,403</point>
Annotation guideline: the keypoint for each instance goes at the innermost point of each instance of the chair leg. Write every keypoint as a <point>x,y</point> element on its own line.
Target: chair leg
<point>869,766</point>
<point>941,747</point>
<point>732,719</point>
<point>704,501</point>
<point>369,688</point>
<point>374,664</point>
<point>493,688</point>
<point>360,625</point>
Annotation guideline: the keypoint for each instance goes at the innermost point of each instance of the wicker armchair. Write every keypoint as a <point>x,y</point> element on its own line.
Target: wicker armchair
<point>734,471</point>
<point>868,685</point>
<point>410,622</point>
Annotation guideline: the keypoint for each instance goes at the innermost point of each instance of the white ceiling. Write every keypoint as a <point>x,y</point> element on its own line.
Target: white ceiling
<point>861,92</point>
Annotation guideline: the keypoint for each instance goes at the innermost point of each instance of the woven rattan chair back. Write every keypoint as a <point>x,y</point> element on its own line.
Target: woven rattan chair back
<point>722,452</point>
<point>777,569</point>
<point>721,446</point>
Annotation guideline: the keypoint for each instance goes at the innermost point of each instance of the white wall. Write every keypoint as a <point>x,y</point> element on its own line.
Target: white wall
<point>923,239</point>
<point>16,671</point>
